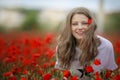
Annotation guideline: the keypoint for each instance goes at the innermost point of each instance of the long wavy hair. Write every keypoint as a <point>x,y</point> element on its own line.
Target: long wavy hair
<point>67,43</point>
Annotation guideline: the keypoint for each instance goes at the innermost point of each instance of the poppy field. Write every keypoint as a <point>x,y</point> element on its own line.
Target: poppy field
<point>32,57</point>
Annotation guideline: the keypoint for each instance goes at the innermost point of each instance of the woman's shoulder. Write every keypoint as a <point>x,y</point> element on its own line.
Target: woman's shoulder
<point>105,43</point>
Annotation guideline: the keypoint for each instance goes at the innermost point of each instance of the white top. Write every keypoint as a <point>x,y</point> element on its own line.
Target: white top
<point>105,55</point>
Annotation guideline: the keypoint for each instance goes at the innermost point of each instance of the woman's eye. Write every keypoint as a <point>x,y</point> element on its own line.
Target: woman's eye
<point>74,23</point>
<point>84,23</point>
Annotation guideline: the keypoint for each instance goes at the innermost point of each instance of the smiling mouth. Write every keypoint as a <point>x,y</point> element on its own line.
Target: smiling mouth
<point>79,33</point>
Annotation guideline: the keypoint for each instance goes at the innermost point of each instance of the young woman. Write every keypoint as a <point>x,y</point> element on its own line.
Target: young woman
<point>78,45</point>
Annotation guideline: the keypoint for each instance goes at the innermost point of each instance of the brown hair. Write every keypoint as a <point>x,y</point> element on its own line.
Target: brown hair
<point>67,43</point>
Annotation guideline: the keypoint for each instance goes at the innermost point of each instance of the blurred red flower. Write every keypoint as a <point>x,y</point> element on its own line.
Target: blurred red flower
<point>74,78</point>
<point>98,78</point>
<point>117,47</point>
<point>48,38</point>
<point>66,73</point>
<point>45,65</point>
<point>96,62</point>
<point>36,55</point>
<point>7,74</point>
<point>118,60</point>
<point>89,21</point>
<point>23,78</point>
<point>108,74</point>
<point>89,69</point>
<point>27,62</point>
<point>52,63</point>
<point>25,72</point>
<point>10,59</point>
<point>12,78</point>
<point>40,72</point>
<point>50,53</point>
<point>16,70</point>
<point>47,76</point>
<point>116,77</point>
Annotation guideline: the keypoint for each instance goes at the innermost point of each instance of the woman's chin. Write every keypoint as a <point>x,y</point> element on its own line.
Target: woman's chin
<point>79,38</point>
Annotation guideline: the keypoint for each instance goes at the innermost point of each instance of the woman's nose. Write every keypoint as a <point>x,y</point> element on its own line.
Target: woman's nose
<point>80,26</point>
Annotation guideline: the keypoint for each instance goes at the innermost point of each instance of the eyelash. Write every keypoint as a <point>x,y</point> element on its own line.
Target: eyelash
<point>81,23</point>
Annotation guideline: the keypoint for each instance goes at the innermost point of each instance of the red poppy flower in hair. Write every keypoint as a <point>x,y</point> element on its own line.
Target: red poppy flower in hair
<point>89,21</point>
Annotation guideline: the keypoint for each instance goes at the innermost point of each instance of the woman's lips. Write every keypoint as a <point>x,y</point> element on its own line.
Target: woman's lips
<point>79,33</point>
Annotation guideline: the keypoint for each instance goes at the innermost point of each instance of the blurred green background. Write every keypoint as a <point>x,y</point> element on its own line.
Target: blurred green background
<point>49,15</point>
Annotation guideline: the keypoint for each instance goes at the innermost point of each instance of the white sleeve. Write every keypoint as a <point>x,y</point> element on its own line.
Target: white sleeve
<point>109,61</point>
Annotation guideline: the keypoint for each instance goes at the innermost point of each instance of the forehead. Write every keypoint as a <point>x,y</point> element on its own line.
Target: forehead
<point>80,17</point>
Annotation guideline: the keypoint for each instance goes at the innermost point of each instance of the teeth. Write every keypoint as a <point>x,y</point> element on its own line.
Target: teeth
<point>80,33</point>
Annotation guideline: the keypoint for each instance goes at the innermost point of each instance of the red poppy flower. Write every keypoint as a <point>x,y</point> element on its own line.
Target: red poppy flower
<point>27,62</point>
<point>35,42</point>
<point>52,64</point>
<point>89,69</point>
<point>23,78</point>
<point>45,65</point>
<point>116,77</point>
<point>66,73</point>
<point>25,72</point>
<point>16,70</point>
<point>96,73</point>
<point>12,78</point>
<point>40,72</point>
<point>117,47</point>
<point>36,55</point>
<point>48,38</point>
<point>108,74</point>
<point>34,62</point>
<point>74,78</point>
<point>7,74</point>
<point>98,78</point>
<point>97,62</point>
<point>50,53</point>
<point>47,76</point>
<point>118,60</point>
<point>89,21</point>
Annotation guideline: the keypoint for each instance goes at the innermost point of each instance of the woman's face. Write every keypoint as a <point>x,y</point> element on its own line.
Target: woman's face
<point>79,25</point>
